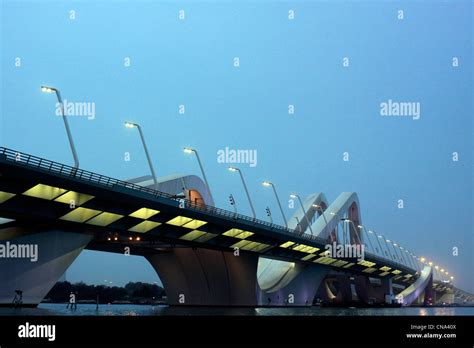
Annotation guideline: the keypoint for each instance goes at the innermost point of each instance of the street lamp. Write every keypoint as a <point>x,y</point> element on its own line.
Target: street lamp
<point>190,150</point>
<point>46,89</point>
<point>234,169</point>
<point>362,228</point>
<point>304,211</point>
<point>387,251</point>
<point>320,208</point>
<point>355,229</point>
<point>267,184</point>
<point>136,125</point>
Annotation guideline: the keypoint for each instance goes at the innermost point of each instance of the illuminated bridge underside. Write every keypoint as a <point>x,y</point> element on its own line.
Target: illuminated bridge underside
<point>189,242</point>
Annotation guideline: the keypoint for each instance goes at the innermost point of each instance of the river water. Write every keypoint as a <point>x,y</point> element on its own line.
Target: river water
<point>162,310</point>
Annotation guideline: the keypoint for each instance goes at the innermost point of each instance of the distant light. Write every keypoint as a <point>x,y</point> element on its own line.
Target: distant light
<point>360,226</point>
<point>442,270</point>
<point>130,125</point>
<point>332,213</point>
<point>395,244</point>
<point>347,220</point>
<point>447,273</point>
<point>422,259</point>
<point>233,169</point>
<point>430,263</point>
<point>388,241</point>
<point>115,238</point>
<point>188,150</point>
<point>292,196</point>
<point>380,237</point>
<point>138,238</point>
<point>130,238</point>
<point>108,238</point>
<point>436,267</point>
<point>266,183</point>
<point>371,231</point>
<point>452,278</point>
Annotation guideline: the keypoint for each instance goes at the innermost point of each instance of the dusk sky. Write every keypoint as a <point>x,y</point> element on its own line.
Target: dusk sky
<point>140,61</point>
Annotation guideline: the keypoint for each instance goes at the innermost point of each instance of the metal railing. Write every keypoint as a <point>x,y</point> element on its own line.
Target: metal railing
<point>67,171</point>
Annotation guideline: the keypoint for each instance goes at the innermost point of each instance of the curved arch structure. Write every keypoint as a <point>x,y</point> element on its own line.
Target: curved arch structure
<point>346,203</point>
<point>178,184</point>
<point>415,290</point>
<point>276,278</point>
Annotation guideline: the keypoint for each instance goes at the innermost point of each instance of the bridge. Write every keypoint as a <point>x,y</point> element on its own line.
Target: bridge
<point>203,255</point>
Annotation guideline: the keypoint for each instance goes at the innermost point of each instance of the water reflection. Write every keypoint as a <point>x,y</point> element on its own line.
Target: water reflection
<point>147,310</point>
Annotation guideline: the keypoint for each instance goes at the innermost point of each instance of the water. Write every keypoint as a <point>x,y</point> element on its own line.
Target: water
<point>148,310</point>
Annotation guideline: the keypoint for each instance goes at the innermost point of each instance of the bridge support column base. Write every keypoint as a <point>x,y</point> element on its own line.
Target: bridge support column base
<point>297,286</point>
<point>204,277</point>
<point>56,250</point>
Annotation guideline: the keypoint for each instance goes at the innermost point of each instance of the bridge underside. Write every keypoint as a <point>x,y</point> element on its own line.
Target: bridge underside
<point>205,277</point>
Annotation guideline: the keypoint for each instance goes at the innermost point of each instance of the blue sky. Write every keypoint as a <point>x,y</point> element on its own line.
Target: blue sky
<point>337,109</point>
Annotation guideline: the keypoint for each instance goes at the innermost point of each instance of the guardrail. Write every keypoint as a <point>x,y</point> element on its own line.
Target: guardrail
<point>38,163</point>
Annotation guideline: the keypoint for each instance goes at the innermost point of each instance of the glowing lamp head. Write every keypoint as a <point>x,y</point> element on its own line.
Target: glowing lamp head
<point>130,125</point>
<point>452,278</point>
<point>422,259</point>
<point>46,89</point>
<point>430,263</point>
<point>292,196</point>
<point>188,150</point>
<point>233,169</point>
<point>360,226</point>
<point>266,183</point>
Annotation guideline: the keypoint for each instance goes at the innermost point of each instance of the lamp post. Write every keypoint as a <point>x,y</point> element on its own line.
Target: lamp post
<point>395,255</point>
<point>267,184</point>
<point>401,255</point>
<point>190,150</point>
<point>387,251</point>
<point>304,211</point>
<point>47,89</point>
<point>318,207</point>
<point>362,228</point>
<point>136,125</point>
<point>355,229</point>
<point>234,169</point>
